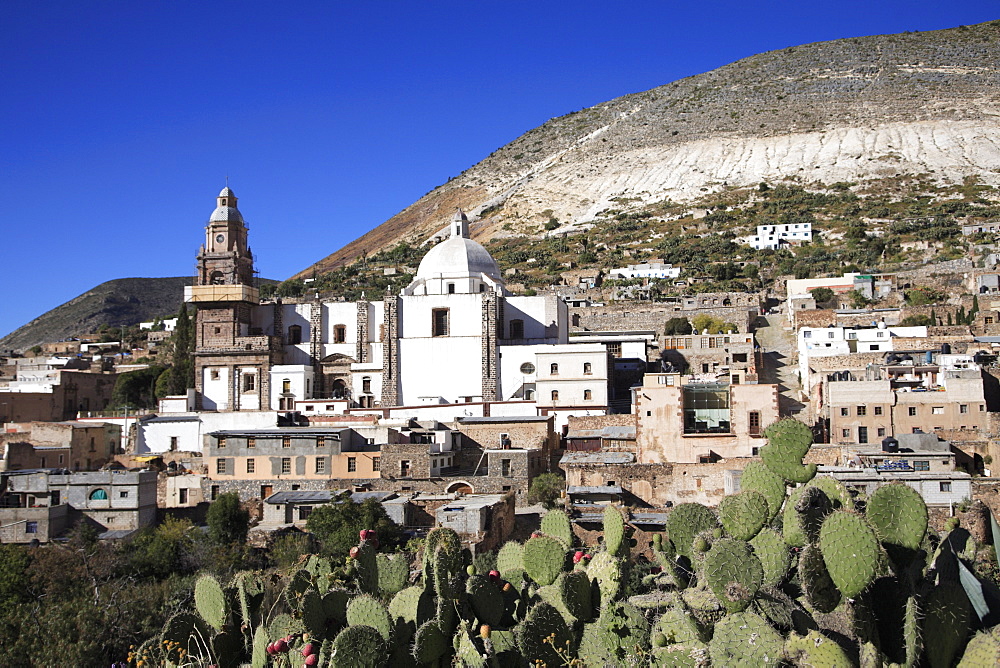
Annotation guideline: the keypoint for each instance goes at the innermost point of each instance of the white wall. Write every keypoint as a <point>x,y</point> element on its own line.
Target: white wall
<point>215,392</point>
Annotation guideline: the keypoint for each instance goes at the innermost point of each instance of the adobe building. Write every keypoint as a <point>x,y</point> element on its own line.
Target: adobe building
<point>78,446</point>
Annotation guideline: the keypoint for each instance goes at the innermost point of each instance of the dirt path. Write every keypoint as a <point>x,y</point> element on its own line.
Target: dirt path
<point>780,363</point>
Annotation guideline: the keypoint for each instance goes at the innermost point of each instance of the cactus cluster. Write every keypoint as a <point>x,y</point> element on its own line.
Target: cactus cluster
<point>777,575</point>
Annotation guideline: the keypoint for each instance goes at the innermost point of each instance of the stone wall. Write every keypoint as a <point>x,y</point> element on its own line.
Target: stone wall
<point>659,484</point>
<point>645,316</point>
<point>601,421</point>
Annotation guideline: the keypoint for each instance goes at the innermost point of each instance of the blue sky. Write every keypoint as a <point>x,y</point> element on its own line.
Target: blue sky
<point>119,121</point>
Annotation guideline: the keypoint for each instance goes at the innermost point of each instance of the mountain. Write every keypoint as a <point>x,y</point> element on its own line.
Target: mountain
<point>850,110</point>
<point>124,301</point>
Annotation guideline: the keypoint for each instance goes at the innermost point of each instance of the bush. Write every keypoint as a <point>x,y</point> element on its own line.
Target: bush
<point>677,326</point>
<point>228,521</point>
<point>821,295</point>
<point>916,321</point>
<point>545,489</point>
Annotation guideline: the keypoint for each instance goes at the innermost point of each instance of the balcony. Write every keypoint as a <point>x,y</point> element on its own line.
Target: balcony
<point>221,293</point>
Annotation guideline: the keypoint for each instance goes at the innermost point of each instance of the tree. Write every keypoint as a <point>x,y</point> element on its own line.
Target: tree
<point>545,489</point>
<point>338,523</point>
<point>182,375</point>
<point>821,295</point>
<point>228,521</point>
<point>677,326</point>
<point>136,388</point>
<point>858,299</point>
<point>915,321</point>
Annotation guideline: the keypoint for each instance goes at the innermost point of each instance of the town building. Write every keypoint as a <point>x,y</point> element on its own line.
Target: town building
<point>773,237</point>
<point>656,270</point>
<point>78,446</point>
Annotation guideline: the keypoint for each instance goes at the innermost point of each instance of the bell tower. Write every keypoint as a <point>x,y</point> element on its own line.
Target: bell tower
<point>232,358</point>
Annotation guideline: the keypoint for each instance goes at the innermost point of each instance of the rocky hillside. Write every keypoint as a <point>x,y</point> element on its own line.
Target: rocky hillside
<point>851,110</point>
<point>124,301</point>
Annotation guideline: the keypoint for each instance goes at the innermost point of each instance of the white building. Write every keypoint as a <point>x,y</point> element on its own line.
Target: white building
<point>774,236</point>
<point>835,341</point>
<point>648,270</point>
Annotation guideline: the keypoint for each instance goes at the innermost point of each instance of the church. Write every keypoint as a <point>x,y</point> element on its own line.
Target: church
<point>455,334</point>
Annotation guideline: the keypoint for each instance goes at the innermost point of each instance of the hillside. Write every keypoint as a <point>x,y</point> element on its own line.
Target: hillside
<point>124,301</point>
<point>851,110</point>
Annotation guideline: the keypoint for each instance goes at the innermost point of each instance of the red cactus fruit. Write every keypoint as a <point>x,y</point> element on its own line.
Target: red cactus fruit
<point>495,575</point>
<point>312,660</point>
<point>578,556</point>
<point>354,552</point>
<point>281,645</point>
<point>309,649</point>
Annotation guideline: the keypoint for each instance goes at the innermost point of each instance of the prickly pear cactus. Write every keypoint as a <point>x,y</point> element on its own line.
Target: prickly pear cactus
<point>258,656</point>
<point>543,635</point>
<point>359,647</point>
<point>486,599</point>
<point>850,551</point>
<point>409,609</point>
<point>771,549</point>
<point>982,650</point>
<point>210,601</point>
<point>607,571</point>
<point>835,490</point>
<point>367,611</point>
<point>947,619</point>
<point>819,588</point>
<point>788,442</point>
<point>757,477</point>
<point>815,649</point>
<point>898,515</point>
<point>745,639</point>
<point>543,559</point>
<point>393,572</point>
<point>614,531</point>
<point>556,523</point>
<point>734,573</point>
<point>685,522</point>
<point>510,560</point>
<point>744,514</point>
<point>679,626</point>
<point>575,591</point>
<point>430,643</point>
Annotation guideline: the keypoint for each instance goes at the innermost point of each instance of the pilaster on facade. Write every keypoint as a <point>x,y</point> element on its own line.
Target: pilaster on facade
<point>490,315</point>
<point>316,346</point>
<point>390,354</point>
<point>361,350</point>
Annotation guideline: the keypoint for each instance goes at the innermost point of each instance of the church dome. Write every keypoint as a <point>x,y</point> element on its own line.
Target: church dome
<point>226,214</point>
<point>227,192</point>
<point>458,256</point>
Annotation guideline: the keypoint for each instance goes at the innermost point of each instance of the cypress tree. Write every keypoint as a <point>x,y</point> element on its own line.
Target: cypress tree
<point>949,318</point>
<point>934,320</point>
<point>182,376</point>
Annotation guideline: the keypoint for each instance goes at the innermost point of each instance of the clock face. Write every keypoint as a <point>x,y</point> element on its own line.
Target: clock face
<point>219,238</point>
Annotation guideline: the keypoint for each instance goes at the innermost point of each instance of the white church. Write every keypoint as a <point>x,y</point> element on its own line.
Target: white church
<point>454,335</point>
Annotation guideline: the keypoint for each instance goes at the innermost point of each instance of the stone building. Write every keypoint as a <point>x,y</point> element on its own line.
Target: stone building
<point>79,446</point>
<point>456,314</point>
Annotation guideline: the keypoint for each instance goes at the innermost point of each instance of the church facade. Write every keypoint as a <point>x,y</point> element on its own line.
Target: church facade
<point>455,334</point>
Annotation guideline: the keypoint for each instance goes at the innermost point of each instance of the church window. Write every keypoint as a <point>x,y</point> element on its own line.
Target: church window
<point>527,368</point>
<point>555,395</point>
<point>339,334</point>
<point>249,382</point>
<point>216,278</point>
<point>516,329</point>
<point>554,369</point>
<point>451,288</point>
<point>99,495</point>
<point>366,384</point>
<point>587,369</point>
<point>286,386</point>
<point>439,322</point>
<point>294,335</point>
<point>587,395</point>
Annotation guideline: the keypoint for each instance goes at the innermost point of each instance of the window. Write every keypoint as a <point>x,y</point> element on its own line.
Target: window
<point>587,369</point>
<point>451,288</point>
<point>249,382</point>
<point>911,411</point>
<point>845,433</point>
<point>251,465</point>
<point>352,464</point>
<point>286,386</point>
<point>93,447</point>
<point>213,374</point>
<point>286,441</point>
<point>553,369</point>
<point>963,408</point>
<point>706,408</point>
<point>829,335</point>
<point>878,410</point>
<point>321,441</point>
<point>320,465</point>
<point>214,492</point>
<point>173,442</point>
<point>404,468</point>
<point>516,329</point>
<point>123,494</point>
<point>439,322</point>
<point>921,466</point>
<point>806,334</point>
<point>182,495</point>
<point>31,527</point>
<point>222,442</point>
<point>862,411</point>
<point>220,466</point>
<point>945,486</point>
<point>754,423</point>
<point>862,434</point>
<point>505,468</point>
<point>286,465</point>
<point>339,333</point>
<point>845,411</point>
<point>251,442</point>
<point>294,335</point>
<point>304,512</point>
<point>587,395</point>
<point>555,395</point>
<point>615,349</point>
<point>937,410</point>
<point>376,463</point>
<point>881,432</point>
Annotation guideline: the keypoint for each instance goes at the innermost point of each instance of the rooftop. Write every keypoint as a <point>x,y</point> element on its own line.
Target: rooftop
<point>584,457</point>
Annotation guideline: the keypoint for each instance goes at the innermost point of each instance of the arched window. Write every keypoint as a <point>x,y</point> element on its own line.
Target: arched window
<point>554,369</point>
<point>366,384</point>
<point>555,395</point>
<point>216,278</point>
<point>294,335</point>
<point>99,495</point>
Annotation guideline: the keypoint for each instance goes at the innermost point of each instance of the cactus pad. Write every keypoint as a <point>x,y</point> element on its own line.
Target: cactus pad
<point>815,649</point>
<point>947,618</point>
<point>745,639</point>
<point>733,573</point>
<point>542,633</point>
<point>982,650</point>
<point>774,556</point>
<point>898,514</point>
<point>393,572</point>
<point>543,559</point>
<point>210,601</point>
<point>359,647</point>
<point>409,609</point>
<point>744,514</point>
<point>367,611</point>
<point>817,584</point>
<point>486,600</point>
<point>575,592</point>
<point>788,442</point>
<point>614,531</point>
<point>510,559</point>
<point>556,523</point>
<point>679,626</point>
<point>850,551</point>
<point>430,643</point>
<point>757,477</point>
<point>685,522</point>
<point>606,570</point>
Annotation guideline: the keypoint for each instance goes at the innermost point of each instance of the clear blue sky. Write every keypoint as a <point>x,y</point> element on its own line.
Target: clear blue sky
<point>119,121</point>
